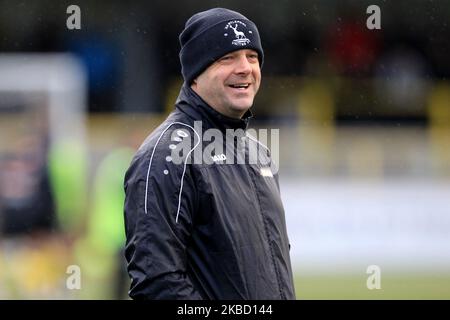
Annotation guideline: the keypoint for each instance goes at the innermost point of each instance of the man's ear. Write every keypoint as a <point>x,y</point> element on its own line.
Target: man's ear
<point>194,83</point>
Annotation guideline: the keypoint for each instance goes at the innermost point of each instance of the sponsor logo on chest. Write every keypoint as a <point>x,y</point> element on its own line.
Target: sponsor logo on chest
<point>219,157</point>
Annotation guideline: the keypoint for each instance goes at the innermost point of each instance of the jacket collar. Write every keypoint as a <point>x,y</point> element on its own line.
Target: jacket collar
<point>192,104</point>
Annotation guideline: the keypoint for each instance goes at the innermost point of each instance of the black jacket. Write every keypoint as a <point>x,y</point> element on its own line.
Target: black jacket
<point>201,230</point>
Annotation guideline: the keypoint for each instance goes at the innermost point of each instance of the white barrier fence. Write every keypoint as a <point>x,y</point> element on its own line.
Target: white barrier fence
<point>343,225</point>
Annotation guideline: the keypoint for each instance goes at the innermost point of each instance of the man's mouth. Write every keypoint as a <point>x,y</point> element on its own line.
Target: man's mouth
<point>240,86</point>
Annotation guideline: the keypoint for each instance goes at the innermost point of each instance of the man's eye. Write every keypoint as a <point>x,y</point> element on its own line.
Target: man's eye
<point>226,58</point>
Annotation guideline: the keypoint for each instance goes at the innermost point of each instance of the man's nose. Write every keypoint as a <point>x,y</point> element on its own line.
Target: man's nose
<point>243,66</point>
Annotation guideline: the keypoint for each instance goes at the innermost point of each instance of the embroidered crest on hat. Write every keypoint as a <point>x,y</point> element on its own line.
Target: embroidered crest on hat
<point>240,38</point>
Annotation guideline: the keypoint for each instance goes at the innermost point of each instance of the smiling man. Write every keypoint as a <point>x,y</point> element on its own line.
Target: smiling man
<point>215,230</point>
<point>230,84</point>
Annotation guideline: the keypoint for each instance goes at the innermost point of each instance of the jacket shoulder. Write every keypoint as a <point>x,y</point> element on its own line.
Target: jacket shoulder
<point>165,149</point>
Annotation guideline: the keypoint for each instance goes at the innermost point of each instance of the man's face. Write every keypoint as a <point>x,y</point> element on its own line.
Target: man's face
<point>230,84</point>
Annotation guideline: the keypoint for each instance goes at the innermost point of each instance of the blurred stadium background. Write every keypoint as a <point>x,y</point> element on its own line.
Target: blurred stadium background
<point>364,119</point>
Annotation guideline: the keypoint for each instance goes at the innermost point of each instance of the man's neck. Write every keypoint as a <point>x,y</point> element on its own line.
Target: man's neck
<point>237,115</point>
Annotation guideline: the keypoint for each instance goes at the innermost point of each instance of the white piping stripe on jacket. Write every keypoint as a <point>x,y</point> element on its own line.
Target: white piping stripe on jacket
<point>250,137</point>
<point>184,169</point>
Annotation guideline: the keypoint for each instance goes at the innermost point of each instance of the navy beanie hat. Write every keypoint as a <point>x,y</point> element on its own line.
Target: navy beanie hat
<point>209,35</point>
